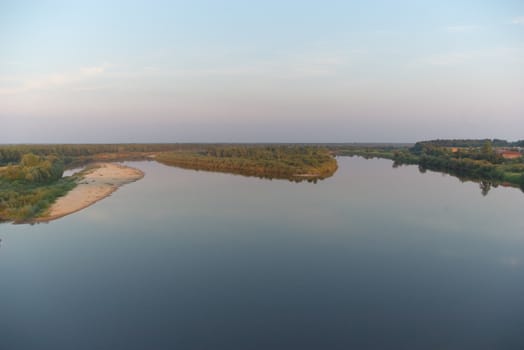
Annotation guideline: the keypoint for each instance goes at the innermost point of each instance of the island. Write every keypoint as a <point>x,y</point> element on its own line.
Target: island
<point>295,163</point>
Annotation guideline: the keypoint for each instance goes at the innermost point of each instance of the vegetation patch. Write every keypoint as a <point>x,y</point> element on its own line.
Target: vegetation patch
<point>29,188</point>
<point>295,163</point>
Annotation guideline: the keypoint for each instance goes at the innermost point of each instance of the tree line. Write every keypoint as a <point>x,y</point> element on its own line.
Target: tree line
<point>33,168</point>
<point>12,154</point>
<point>469,143</point>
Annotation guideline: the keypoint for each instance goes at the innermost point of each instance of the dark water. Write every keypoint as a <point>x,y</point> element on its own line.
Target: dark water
<point>372,258</point>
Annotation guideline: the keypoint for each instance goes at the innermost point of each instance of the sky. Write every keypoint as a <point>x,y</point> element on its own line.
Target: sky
<point>260,71</point>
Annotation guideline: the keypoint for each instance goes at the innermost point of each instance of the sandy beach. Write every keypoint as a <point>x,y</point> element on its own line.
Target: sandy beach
<point>96,184</point>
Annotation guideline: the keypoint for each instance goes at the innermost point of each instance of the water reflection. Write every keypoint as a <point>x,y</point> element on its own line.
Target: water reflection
<point>484,185</point>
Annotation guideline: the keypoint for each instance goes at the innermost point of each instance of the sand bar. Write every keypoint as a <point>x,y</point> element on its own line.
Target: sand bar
<point>96,184</point>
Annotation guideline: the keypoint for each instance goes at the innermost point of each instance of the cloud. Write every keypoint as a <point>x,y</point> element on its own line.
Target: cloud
<point>290,66</point>
<point>506,54</point>
<point>461,29</point>
<point>518,20</point>
<point>88,71</point>
<point>54,80</point>
<point>11,63</point>
<point>448,59</point>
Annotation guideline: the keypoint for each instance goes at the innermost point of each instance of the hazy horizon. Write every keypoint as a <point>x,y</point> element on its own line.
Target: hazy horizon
<point>299,71</point>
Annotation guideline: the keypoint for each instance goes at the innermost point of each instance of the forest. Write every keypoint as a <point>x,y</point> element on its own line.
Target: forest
<point>470,143</point>
<point>78,153</point>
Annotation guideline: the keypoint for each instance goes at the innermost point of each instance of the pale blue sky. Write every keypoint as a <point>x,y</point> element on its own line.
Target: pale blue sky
<point>255,71</point>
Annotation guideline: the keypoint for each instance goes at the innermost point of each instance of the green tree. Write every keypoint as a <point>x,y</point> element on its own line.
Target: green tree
<point>487,148</point>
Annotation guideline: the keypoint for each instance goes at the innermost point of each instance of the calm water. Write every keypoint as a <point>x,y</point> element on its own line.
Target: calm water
<point>372,258</point>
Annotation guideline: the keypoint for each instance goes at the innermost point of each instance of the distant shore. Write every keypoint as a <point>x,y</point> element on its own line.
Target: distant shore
<point>96,184</point>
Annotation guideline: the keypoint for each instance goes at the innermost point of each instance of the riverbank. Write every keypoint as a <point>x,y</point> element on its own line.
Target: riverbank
<point>469,160</point>
<point>94,184</point>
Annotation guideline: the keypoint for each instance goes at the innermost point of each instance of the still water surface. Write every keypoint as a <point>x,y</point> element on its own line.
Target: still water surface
<point>372,258</point>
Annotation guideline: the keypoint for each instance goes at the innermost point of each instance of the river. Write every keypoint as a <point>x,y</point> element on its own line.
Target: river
<point>374,257</point>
